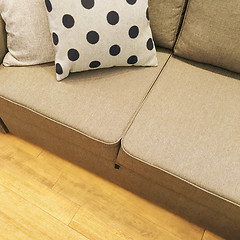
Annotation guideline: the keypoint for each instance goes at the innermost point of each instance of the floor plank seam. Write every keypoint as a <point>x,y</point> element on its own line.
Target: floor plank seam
<point>203,234</point>
<point>161,228</point>
<point>54,184</point>
<point>40,153</point>
<point>39,206</point>
<point>74,215</point>
<point>80,233</point>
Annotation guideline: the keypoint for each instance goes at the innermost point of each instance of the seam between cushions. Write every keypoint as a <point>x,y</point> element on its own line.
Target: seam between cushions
<point>183,24</point>
<point>143,100</point>
<point>60,123</point>
<point>174,175</point>
<point>180,22</point>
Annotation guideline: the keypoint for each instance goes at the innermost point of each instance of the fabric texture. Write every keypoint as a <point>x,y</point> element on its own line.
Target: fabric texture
<point>3,40</point>
<point>189,126</point>
<point>99,34</point>
<point>28,37</point>
<point>210,33</point>
<point>165,18</point>
<point>96,105</point>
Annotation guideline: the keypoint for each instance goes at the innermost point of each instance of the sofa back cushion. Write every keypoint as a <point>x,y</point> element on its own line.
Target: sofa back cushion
<point>211,33</point>
<point>165,17</point>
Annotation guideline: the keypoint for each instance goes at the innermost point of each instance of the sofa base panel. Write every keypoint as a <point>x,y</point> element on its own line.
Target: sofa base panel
<point>192,203</point>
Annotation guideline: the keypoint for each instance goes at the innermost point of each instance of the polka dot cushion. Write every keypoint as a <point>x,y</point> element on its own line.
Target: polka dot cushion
<point>92,34</point>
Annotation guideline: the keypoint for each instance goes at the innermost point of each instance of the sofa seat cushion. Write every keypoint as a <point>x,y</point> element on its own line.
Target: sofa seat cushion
<point>98,104</point>
<point>189,128</point>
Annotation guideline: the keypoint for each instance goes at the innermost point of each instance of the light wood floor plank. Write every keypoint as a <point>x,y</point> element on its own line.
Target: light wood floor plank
<point>56,163</point>
<point>49,201</point>
<point>108,201</point>
<point>11,229</point>
<point>95,228</point>
<point>21,173</point>
<point>21,163</point>
<point>21,220</point>
<point>2,189</point>
<point>124,225</point>
<point>18,143</point>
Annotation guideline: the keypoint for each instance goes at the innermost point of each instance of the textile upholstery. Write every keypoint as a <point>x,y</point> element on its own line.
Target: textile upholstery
<point>97,106</point>
<point>165,18</point>
<point>28,37</point>
<point>191,121</point>
<point>210,33</point>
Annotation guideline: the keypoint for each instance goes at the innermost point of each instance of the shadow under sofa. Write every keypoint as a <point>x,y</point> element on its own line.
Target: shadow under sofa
<point>174,130</point>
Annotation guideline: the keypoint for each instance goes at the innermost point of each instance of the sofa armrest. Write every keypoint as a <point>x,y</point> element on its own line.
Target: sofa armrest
<point>3,40</point>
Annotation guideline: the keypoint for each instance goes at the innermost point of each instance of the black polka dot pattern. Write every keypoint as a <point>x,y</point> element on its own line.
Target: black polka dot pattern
<point>59,69</point>
<point>68,21</point>
<point>150,44</point>
<point>113,18</point>
<point>131,1</point>
<point>132,60</point>
<point>92,37</point>
<point>48,5</point>
<point>114,50</point>
<point>133,32</point>
<point>112,35</point>
<point>147,14</point>
<point>88,4</point>
<point>55,39</point>
<point>94,64</point>
<point>73,55</point>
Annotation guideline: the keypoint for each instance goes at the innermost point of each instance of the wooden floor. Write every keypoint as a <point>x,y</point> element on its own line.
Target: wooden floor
<point>45,197</point>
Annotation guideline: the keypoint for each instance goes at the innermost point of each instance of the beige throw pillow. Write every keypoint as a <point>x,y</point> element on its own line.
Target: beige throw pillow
<point>28,38</point>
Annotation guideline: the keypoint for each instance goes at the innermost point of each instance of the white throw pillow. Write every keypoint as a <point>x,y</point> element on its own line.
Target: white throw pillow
<point>28,39</point>
<point>91,34</point>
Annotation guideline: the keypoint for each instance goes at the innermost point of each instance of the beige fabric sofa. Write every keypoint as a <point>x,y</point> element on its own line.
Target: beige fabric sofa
<point>169,133</point>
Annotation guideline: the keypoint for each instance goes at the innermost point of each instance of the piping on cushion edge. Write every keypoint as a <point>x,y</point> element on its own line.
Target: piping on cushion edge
<point>60,123</point>
<point>176,176</point>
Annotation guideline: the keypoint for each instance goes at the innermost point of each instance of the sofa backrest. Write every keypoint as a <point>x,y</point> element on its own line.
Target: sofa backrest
<point>165,18</point>
<point>211,33</point>
<point>3,40</point>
